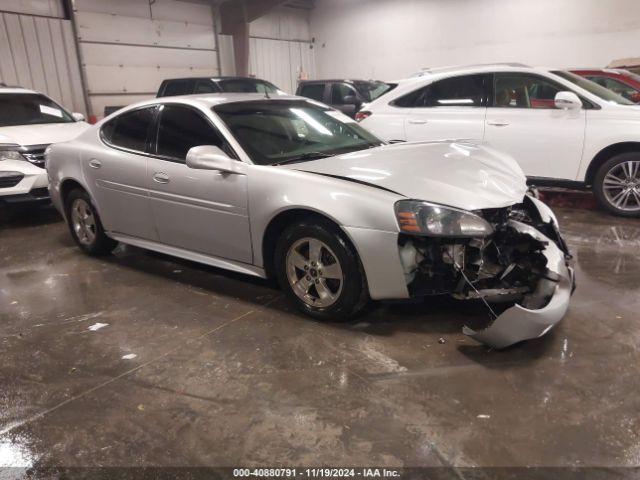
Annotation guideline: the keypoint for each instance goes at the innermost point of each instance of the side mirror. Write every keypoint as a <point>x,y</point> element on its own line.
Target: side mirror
<point>350,100</point>
<point>78,117</point>
<point>210,157</point>
<point>568,101</point>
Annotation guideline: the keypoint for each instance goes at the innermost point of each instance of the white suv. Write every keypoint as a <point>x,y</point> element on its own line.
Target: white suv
<point>29,123</point>
<point>562,129</point>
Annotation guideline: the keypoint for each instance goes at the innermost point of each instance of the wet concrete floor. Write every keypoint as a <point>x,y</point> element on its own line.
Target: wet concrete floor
<point>139,359</point>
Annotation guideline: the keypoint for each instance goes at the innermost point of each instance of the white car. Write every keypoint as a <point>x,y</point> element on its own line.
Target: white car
<point>285,187</point>
<point>562,129</point>
<point>29,123</point>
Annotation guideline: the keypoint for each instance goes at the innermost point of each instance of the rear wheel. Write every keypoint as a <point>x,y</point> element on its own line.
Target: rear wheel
<point>617,185</point>
<point>85,225</point>
<point>320,271</point>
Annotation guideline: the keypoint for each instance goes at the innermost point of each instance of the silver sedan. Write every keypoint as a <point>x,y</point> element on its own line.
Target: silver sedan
<point>288,188</point>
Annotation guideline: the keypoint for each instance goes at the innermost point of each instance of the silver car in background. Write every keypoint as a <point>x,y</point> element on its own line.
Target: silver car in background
<point>288,188</point>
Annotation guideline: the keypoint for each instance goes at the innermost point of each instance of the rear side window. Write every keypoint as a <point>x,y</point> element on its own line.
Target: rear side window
<point>314,91</point>
<point>177,87</point>
<point>130,130</point>
<point>182,128</point>
<point>464,91</point>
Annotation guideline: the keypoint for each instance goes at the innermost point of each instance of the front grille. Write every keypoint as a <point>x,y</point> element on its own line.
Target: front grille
<point>34,154</point>
<point>12,181</point>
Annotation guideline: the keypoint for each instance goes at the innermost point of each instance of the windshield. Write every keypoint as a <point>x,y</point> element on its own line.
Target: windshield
<point>273,132</point>
<point>30,109</point>
<point>594,88</point>
<point>246,85</point>
<point>372,90</point>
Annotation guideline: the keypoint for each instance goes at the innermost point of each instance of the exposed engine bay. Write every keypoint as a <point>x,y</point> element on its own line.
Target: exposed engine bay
<point>524,262</point>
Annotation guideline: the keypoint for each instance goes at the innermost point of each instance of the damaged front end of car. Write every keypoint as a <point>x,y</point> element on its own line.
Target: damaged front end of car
<point>513,257</point>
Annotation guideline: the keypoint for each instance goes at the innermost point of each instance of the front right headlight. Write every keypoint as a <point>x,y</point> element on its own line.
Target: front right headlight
<point>429,219</point>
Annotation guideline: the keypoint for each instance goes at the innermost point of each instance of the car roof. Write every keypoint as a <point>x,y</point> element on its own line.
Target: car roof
<point>208,100</point>
<point>214,77</point>
<point>347,80</point>
<point>16,90</point>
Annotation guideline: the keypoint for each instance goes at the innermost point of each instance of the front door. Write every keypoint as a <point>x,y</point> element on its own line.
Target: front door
<point>117,175</point>
<point>524,122</point>
<point>202,211</point>
<point>345,98</point>
<point>451,108</point>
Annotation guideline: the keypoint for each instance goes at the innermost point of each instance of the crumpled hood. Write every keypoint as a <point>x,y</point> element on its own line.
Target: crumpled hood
<point>460,174</point>
<point>42,134</point>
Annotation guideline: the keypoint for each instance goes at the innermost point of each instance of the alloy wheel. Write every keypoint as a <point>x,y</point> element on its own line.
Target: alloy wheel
<point>314,272</point>
<point>621,186</point>
<point>83,221</point>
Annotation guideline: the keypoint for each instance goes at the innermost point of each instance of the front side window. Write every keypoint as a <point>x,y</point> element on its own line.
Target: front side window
<point>30,109</point>
<point>277,131</point>
<point>315,91</point>
<point>206,86</point>
<point>521,90</point>
<point>246,85</point>
<point>130,129</point>
<point>340,92</point>
<point>182,128</point>
<point>463,91</point>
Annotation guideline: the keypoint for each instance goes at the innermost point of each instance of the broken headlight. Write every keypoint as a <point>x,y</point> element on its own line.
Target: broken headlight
<point>433,220</point>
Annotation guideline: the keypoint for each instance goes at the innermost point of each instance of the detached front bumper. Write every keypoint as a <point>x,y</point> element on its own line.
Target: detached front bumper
<point>519,323</point>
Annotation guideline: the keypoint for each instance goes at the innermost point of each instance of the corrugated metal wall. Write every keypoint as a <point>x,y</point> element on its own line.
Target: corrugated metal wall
<point>280,48</point>
<point>129,47</point>
<point>39,52</point>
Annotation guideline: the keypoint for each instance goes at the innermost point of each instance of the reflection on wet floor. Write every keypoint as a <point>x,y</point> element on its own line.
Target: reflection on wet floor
<point>139,359</point>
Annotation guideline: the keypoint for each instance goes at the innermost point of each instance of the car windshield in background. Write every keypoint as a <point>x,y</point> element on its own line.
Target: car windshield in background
<point>594,88</point>
<point>243,85</point>
<point>30,109</point>
<point>372,90</point>
<point>277,132</point>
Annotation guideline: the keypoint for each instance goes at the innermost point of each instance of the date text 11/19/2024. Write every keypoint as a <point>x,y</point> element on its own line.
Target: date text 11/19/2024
<point>316,473</point>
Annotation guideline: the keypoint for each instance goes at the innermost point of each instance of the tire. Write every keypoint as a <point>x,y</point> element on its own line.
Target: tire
<point>616,185</point>
<point>327,297</point>
<point>85,225</point>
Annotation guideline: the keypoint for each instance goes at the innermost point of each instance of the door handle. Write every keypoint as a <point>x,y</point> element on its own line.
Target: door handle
<point>160,177</point>
<point>498,123</point>
<point>93,163</point>
<point>417,122</point>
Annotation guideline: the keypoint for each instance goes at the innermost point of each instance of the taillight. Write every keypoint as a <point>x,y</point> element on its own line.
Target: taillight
<point>362,115</point>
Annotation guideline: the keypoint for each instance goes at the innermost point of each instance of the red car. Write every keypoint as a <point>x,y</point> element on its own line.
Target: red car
<point>622,82</point>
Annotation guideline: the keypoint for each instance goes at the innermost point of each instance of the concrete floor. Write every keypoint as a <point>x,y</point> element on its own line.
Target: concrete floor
<point>195,366</point>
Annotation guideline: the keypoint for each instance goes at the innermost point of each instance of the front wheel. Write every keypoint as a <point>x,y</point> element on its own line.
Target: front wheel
<point>617,185</point>
<point>85,225</point>
<point>320,271</point>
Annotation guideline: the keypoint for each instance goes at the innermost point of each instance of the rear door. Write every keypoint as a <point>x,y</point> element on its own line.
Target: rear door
<point>451,108</point>
<point>313,90</point>
<point>524,122</point>
<point>116,174</point>
<point>202,211</point>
